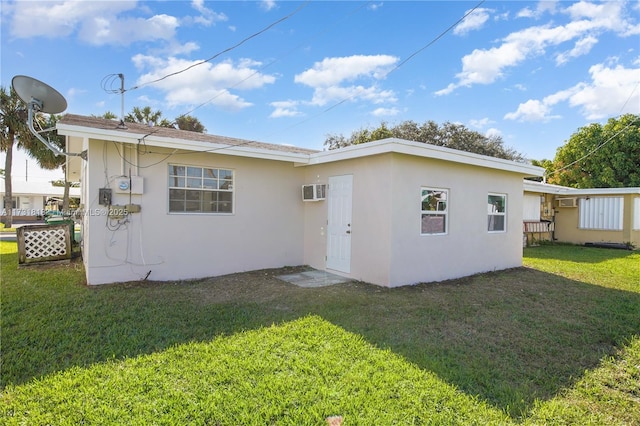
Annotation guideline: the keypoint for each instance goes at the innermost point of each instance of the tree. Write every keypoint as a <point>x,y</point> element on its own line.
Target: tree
<point>546,164</point>
<point>598,156</point>
<point>46,159</point>
<point>13,130</point>
<point>190,123</point>
<point>147,116</point>
<point>449,135</point>
<point>107,116</point>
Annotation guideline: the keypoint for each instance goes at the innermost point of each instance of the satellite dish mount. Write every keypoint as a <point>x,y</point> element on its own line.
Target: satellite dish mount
<point>41,97</point>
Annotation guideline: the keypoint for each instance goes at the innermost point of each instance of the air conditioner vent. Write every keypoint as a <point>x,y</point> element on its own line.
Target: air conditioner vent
<point>567,202</point>
<point>314,192</point>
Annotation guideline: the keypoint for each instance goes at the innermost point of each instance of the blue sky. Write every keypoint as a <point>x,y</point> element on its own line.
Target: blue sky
<point>531,72</point>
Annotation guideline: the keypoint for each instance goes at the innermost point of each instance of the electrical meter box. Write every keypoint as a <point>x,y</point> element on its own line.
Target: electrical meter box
<point>129,185</point>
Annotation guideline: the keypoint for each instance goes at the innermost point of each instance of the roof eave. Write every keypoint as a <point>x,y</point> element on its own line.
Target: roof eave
<point>180,144</point>
<point>424,150</point>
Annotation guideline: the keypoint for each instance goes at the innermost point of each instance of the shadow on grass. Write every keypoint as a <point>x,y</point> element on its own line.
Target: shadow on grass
<point>576,253</point>
<point>509,337</point>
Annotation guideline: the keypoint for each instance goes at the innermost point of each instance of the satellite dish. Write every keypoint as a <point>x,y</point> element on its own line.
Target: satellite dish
<point>47,99</point>
<point>41,97</point>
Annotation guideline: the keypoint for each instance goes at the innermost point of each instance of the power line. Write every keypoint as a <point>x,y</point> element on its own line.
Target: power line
<point>593,150</point>
<point>411,56</point>
<point>605,142</point>
<point>327,29</point>
<point>268,27</point>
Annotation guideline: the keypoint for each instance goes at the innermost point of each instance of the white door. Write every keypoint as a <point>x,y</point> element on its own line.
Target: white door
<point>339,223</point>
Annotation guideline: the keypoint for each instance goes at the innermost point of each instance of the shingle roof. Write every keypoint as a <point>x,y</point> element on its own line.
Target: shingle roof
<point>167,132</point>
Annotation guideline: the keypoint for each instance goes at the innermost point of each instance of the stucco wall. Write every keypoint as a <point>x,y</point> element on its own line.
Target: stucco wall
<point>387,248</point>
<point>371,218</point>
<point>468,247</point>
<point>265,230</point>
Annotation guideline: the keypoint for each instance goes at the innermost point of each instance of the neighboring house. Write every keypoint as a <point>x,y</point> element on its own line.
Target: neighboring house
<point>167,204</point>
<point>32,198</point>
<point>584,216</point>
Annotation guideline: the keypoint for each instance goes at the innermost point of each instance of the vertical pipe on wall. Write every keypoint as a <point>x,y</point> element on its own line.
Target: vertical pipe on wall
<point>121,159</point>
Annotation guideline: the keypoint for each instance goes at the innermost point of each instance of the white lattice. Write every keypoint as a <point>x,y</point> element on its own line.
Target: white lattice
<point>45,243</point>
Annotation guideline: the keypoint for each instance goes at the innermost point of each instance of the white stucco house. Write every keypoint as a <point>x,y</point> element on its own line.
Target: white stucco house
<point>31,199</point>
<point>167,204</point>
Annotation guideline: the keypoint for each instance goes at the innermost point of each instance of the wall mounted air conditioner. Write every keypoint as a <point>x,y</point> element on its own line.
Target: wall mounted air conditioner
<point>314,192</point>
<point>567,202</point>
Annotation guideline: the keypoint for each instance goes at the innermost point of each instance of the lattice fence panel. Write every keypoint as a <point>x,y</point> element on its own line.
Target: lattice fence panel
<point>43,243</point>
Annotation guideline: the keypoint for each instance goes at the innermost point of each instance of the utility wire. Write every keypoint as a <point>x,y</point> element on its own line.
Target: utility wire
<point>411,56</point>
<point>268,27</point>
<point>407,59</point>
<point>593,150</point>
<point>606,141</point>
<point>287,53</point>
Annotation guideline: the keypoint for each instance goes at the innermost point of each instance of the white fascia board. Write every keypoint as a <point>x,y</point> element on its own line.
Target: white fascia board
<point>605,191</point>
<point>181,144</point>
<point>425,150</point>
<point>545,188</point>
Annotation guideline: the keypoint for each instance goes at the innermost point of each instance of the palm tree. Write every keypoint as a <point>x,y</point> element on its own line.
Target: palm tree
<point>147,116</point>
<point>13,130</point>
<point>46,159</point>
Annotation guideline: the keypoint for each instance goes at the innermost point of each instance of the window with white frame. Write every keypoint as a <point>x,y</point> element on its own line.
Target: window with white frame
<point>435,211</point>
<point>497,212</point>
<point>636,213</point>
<point>200,189</point>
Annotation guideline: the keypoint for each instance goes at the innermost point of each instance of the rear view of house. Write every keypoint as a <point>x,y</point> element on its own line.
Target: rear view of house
<point>166,204</point>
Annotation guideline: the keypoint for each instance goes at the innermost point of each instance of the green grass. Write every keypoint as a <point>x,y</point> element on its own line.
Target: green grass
<point>3,229</point>
<point>298,373</point>
<point>553,343</point>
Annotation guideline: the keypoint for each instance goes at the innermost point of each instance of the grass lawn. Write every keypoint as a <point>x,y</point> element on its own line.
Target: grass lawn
<point>3,229</point>
<point>556,342</point>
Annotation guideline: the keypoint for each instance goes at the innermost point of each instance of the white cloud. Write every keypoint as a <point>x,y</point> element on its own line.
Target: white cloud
<point>103,31</point>
<point>73,92</point>
<point>582,47</point>
<point>375,6</point>
<point>485,66</point>
<point>208,82</point>
<point>385,112</point>
<point>95,22</point>
<point>332,71</point>
<point>531,110</point>
<point>208,17</point>
<point>541,8</point>
<point>285,109</point>
<point>373,94</point>
<point>174,49</point>
<point>267,4</point>
<point>328,78</point>
<point>612,91</point>
<point>474,21</point>
<point>493,133</point>
<point>480,123</point>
